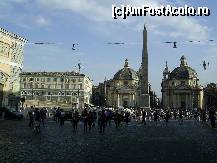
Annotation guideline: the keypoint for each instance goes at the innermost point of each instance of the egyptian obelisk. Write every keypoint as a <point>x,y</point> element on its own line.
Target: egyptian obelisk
<point>144,92</point>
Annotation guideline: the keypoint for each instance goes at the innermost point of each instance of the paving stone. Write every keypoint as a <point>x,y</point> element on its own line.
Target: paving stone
<point>189,142</point>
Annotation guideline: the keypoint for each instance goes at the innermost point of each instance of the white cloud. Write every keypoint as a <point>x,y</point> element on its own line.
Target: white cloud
<point>41,21</point>
<point>101,12</point>
<point>90,9</point>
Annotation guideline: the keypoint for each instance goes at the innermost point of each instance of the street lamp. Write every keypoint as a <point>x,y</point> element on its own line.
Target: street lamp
<point>78,97</point>
<point>32,88</point>
<point>193,100</point>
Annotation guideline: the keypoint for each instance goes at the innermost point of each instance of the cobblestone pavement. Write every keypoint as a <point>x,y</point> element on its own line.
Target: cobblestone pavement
<point>189,142</point>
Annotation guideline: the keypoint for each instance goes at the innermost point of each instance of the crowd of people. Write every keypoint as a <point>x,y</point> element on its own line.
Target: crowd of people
<point>36,117</point>
<point>105,116</point>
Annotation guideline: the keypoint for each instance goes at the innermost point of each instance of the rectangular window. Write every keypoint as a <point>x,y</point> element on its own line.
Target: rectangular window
<point>48,79</point>
<point>61,79</point>
<point>66,86</point>
<point>73,80</point>
<point>55,79</point>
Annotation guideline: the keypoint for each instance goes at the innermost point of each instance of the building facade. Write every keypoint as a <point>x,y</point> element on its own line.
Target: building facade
<point>210,96</point>
<point>122,90</point>
<point>49,89</point>
<point>98,95</point>
<point>11,64</point>
<point>180,88</point>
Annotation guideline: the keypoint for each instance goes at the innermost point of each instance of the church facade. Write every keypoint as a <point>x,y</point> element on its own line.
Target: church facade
<point>122,90</point>
<point>129,88</point>
<point>180,88</point>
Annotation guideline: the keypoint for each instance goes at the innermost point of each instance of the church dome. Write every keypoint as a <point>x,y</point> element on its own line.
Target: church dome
<point>184,71</point>
<point>126,73</point>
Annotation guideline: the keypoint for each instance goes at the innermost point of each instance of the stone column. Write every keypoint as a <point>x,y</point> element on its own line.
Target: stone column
<point>186,100</point>
<point>174,100</point>
<point>178,100</point>
<point>133,100</point>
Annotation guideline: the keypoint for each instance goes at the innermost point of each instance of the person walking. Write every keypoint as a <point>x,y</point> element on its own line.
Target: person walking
<point>90,120</point>
<point>62,117</point>
<point>37,122</point>
<point>102,121</point>
<point>127,117</point>
<point>43,115</point>
<point>144,117</point>
<point>167,116</point>
<point>85,119</point>
<point>75,120</point>
<point>31,117</point>
<point>180,116</point>
<point>116,119</point>
<point>58,114</point>
<point>203,115</point>
<point>212,117</point>
<point>156,116</point>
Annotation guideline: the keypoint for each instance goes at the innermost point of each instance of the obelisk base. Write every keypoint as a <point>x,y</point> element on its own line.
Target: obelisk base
<point>144,101</point>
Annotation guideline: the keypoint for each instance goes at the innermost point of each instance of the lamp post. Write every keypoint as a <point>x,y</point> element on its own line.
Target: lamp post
<point>193,100</point>
<point>32,88</point>
<point>78,97</point>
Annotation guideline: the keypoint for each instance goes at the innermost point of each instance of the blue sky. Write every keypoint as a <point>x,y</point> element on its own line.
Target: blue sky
<point>90,24</point>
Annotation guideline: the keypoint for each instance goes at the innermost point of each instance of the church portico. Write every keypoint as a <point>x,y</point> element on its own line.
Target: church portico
<point>125,99</point>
